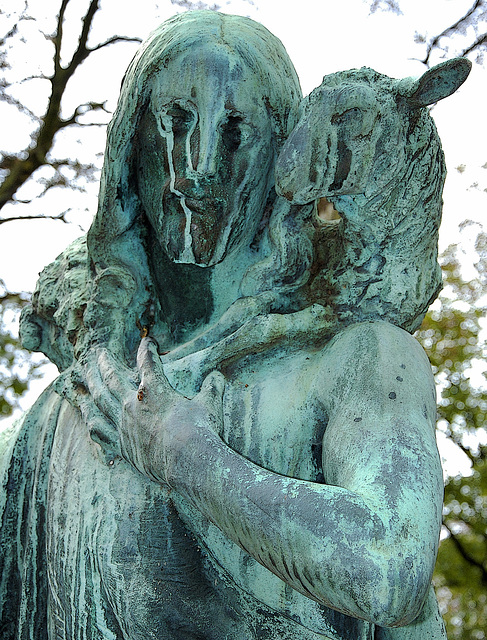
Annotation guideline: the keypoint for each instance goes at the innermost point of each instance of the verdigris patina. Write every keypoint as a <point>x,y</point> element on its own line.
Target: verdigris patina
<point>263,464</point>
<point>365,142</point>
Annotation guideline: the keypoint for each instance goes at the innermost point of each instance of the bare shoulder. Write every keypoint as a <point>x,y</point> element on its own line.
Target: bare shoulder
<point>375,363</point>
<point>377,388</point>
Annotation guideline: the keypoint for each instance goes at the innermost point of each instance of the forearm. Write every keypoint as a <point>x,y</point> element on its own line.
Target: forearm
<point>364,544</point>
<point>322,540</point>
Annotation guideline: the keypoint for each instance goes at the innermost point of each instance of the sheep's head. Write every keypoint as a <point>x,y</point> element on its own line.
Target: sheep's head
<point>352,136</point>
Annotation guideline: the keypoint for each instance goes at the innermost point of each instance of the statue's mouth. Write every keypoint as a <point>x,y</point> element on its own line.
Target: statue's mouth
<point>200,205</point>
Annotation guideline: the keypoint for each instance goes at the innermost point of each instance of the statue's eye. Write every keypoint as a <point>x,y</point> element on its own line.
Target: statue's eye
<point>236,132</point>
<point>180,119</point>
<point>232,133</point>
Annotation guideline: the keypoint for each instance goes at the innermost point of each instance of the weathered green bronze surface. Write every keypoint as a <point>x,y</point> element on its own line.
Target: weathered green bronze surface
<point>241,441</point>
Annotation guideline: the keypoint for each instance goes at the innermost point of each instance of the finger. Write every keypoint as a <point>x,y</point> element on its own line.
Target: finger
<point>150,366</point>
<point>133,447</point>
<point>65,387</point>
<point>77,388</point>
<point>119,379</point>
<point>72,385</point>
<point>212,390</point>
<point>102,431</point>
<point>101,395</point>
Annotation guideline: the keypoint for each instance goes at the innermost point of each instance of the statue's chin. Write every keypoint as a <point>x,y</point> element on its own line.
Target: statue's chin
<point>194,253</point>
<point>186,260</point>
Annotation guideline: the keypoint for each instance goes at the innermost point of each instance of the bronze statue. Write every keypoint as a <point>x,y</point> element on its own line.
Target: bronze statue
<point>238,446</point>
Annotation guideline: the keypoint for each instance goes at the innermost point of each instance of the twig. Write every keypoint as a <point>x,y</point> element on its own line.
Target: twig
<point>61,216</point>
<point>450,30</point>
<point>481,40</point>
<point>22,168</point>
<point>113,40</point>
<point>466,555</point>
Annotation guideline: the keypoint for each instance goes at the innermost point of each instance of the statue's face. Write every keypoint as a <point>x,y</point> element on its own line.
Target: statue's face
<point>205,155</point>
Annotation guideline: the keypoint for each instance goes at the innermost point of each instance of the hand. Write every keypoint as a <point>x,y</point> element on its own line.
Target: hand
<point>159,425</point>
<point>95,385</point>
<point>149,424</point>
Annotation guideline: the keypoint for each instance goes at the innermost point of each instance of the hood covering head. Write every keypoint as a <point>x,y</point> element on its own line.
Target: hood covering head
<point>117,245</point>
<point>259,50</point>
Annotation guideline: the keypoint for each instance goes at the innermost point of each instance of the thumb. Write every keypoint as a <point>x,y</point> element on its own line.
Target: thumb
<point>212,389</point>
<point>149,363</point>
<point>211,397</point>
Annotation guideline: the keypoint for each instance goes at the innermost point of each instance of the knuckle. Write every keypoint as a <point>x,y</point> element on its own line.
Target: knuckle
<point>141,393</point>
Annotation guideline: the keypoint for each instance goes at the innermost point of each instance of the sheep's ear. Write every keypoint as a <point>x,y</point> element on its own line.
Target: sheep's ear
<point>437,83</point>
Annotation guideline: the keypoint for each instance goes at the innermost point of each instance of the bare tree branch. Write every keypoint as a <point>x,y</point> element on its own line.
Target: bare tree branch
<point>452,29</point>
<point>81,169</point>
<point>15,27</point>
<point>82,110</point>
<point>82,51</point>
<point>21,167</point>
<point>61,216</point>
<point>479,42</point>
<point>476,13</point>
<point>114,40</point>
<point>9,99</point>
<point>465,554</point>
<point>58,35</point>
<point>28,78</point>
<point>9,34</point>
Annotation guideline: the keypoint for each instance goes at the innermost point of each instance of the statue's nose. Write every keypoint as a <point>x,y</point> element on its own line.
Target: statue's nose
<point>207,151</point>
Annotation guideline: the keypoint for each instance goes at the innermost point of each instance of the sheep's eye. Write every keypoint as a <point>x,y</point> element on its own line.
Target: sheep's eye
<point>347,116</point>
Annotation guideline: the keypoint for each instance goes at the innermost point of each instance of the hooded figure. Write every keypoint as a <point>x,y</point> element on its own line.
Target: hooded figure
<point>297,500</point>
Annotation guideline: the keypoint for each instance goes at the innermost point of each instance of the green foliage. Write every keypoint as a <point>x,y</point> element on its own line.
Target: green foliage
<point>17,366</point>
<point>460,576</point>
<point>452,337</point>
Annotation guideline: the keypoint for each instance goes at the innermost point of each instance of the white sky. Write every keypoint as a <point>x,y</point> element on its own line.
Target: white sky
<point>321,36</point>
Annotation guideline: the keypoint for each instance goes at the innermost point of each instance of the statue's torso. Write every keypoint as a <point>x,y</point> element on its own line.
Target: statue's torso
<point>129,557</point>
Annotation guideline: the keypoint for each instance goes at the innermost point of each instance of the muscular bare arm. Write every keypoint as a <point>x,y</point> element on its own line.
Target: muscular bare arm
<point>364,543</point>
